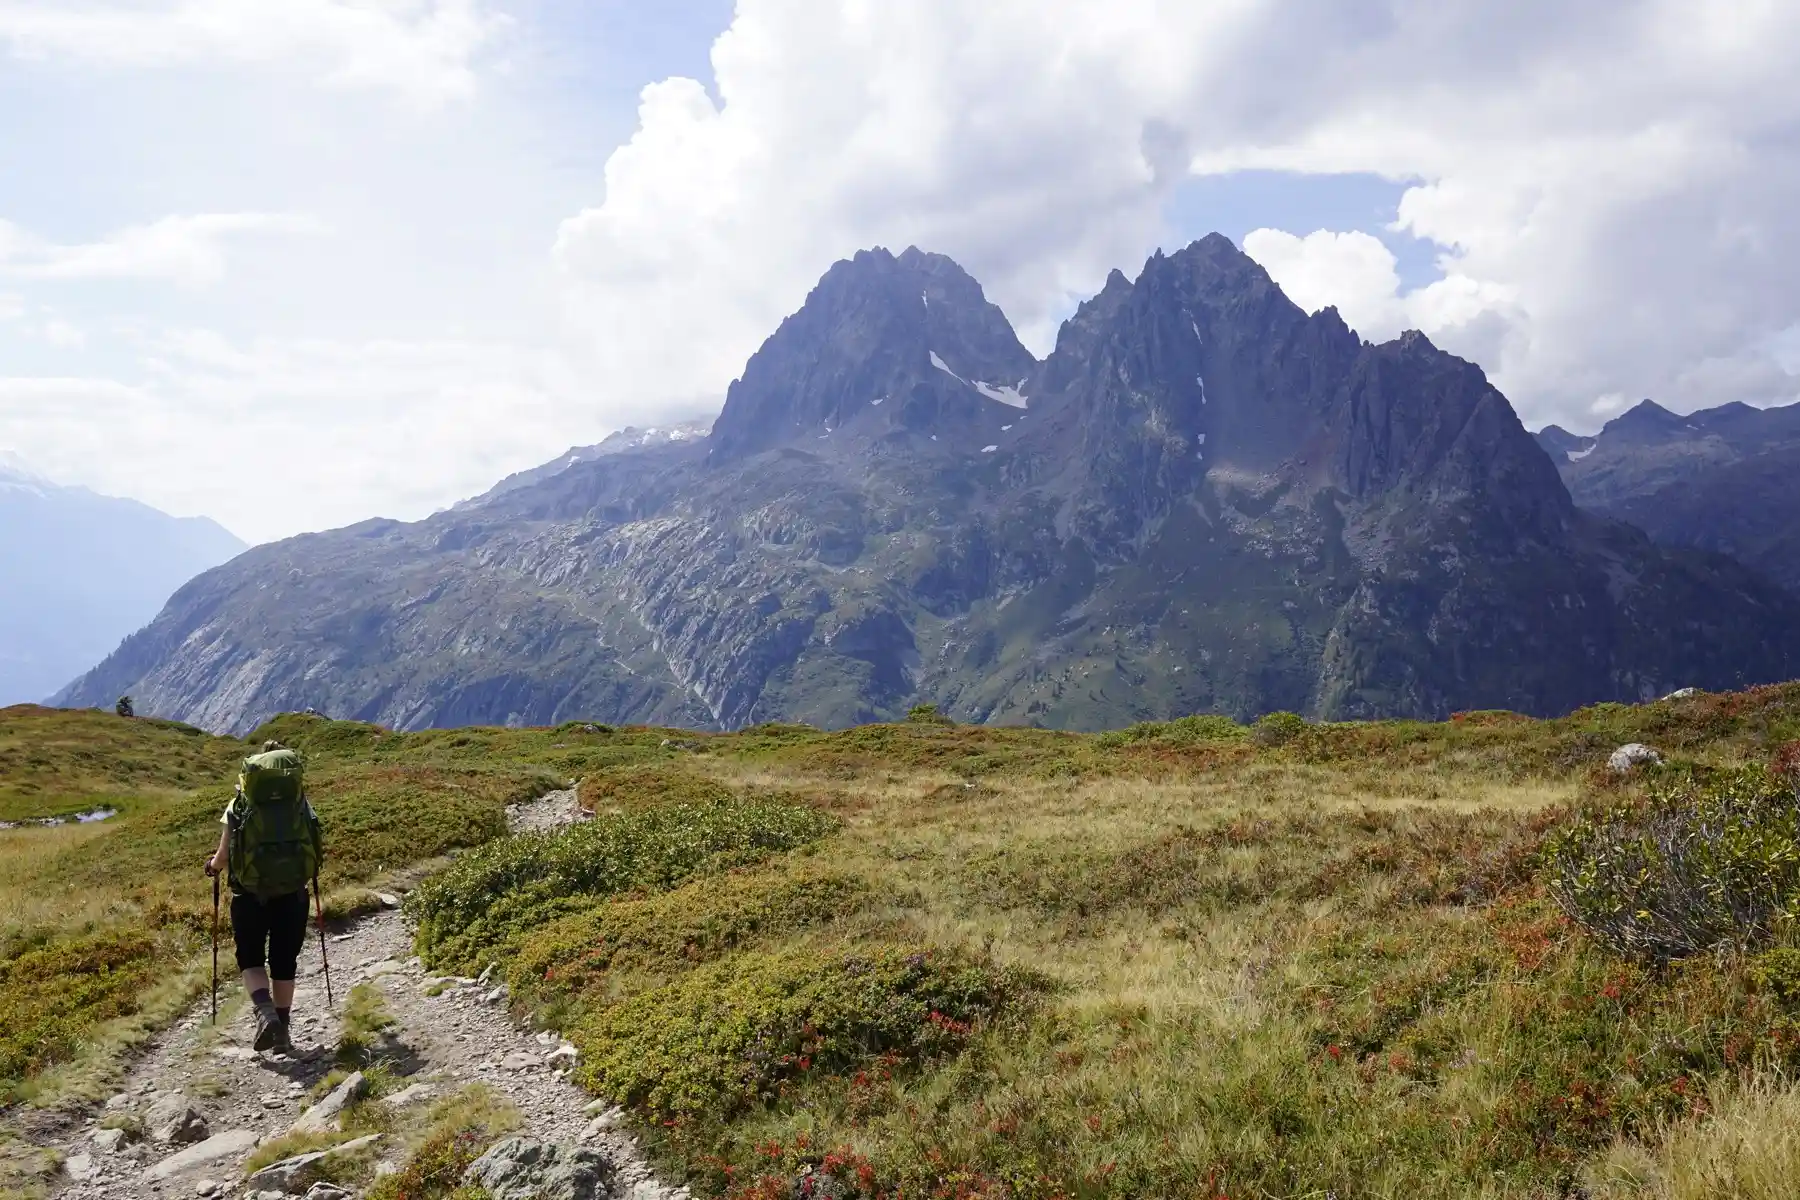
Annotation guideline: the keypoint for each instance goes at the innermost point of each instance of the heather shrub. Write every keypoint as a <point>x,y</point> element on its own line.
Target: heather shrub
<point>743,1032</point>
<point>1708,859</point>
<point>497,893</point>
<point>666,934</point>
<point>1277,728</point>
<point>646,787</point>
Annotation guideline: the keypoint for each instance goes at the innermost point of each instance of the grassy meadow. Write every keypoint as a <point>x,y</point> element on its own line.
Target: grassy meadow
<point>1188,959</point>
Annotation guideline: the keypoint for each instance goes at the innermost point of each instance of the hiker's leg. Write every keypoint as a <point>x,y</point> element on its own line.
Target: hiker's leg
<point>287,935</point>
<point>249,930</point>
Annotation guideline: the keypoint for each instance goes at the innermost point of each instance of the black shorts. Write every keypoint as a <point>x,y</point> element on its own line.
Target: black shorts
<point>280,921</point>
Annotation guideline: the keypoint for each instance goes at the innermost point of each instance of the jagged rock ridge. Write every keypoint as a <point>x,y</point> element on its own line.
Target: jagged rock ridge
<point>1724,479</point>
<point>1204,499</point>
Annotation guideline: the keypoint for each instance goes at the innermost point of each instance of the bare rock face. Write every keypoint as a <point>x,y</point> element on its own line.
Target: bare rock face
<point>1205,499</point>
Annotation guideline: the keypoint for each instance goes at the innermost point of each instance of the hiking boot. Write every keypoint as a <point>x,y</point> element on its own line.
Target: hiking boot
<point>284,1043</point>
<point>269,1029</point>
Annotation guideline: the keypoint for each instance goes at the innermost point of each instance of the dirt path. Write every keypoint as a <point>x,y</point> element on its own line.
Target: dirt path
<point>442,1042</point>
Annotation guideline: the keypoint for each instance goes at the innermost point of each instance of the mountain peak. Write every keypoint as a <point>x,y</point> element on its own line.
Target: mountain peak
<point>914,329</point>
<point>14,469</point>
<point>1646,420</point>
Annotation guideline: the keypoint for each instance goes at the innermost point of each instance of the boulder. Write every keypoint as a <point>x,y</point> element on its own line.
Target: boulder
<point>81,1167</point>
<point>229,1146</point>
<point>1629,757</point>
<point>520,1169</point>
<point>1682,693</point>
<point>108,1140</point>
<point>172,1121</point>
<point>324,1114</point>
<point>291,1174</point>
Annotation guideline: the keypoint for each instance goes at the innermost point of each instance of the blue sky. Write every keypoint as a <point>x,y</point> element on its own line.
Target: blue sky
<point>425,243</point>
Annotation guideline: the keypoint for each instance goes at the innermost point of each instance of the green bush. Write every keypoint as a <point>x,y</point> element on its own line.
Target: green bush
<point>497,893</point>
<point>738,1033</point>
<point>669,933</point>
<point>927,714</point>
<point>1709,859</point>
<point>646,787</point>
<point>1277,728</point>
<point>52,995</point>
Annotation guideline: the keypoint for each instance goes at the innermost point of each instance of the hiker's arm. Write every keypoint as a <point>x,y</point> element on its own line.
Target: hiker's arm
<point>216,864</point>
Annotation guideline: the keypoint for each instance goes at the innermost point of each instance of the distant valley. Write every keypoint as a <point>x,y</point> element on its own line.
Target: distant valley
<point>81,572</point>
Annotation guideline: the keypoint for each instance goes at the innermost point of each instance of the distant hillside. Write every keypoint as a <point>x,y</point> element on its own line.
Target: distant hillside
<point>82,571</point>
<point>1724,479</point>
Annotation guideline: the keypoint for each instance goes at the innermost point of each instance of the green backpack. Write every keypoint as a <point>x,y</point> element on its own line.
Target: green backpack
<point>275,844</point>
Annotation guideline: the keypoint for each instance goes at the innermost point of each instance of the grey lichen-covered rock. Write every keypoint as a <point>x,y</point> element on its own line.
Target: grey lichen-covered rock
<point>221,1148</point>
<point>1630,757</point>
<point>171,1120</point>
<point>324,1115</point>
<point>292,1173</point>
<point>521,1169</point>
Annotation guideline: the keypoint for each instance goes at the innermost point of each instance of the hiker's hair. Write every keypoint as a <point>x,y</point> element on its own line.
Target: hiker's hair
<point>272,744</point>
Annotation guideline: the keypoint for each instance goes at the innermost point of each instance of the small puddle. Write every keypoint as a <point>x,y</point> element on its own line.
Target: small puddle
<point>82,818</point>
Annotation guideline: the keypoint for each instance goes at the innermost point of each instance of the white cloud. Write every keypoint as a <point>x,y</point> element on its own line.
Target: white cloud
<point>1358,274</point>
<point>362,429</point>
<point>1615,190</point>
<point>187,250</point>
<point>420,49</point>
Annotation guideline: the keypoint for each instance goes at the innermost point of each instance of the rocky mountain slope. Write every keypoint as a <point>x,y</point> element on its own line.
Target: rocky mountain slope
<point>1203,499</point>
<point>81,571</point>
<point>1725,479</point>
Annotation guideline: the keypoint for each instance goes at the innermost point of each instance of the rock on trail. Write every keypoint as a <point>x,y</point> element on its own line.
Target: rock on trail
<point>200,1100</point>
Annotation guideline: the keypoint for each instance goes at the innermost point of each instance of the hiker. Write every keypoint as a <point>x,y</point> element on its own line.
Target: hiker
<point>270,849</point>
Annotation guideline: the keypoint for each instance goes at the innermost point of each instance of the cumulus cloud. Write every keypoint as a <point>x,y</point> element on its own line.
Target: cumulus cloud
<point>1612,188</point>
<point>179,249</point>
<point>420,49</point>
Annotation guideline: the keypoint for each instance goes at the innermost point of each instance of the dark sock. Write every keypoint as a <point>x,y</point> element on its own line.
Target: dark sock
<point>259,997</point>
<point>283,1014</point>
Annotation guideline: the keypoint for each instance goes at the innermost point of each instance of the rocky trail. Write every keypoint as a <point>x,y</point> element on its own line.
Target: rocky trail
<point>196,1105</point>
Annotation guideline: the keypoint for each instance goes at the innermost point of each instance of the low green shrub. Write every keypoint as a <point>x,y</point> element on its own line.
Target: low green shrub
<point>1183,731</point>
<point>1277,728</point>
<point>627,788</point>
<point>737,1034</point>
<point>927,714</point>
<point>1708,859</point>
<point>497,893</point>
<point>669,933</point>
<point>54,994</point>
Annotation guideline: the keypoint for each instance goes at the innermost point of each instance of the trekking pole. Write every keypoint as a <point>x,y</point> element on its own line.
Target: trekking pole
<point>319,906</point>
<point>215,987</point>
